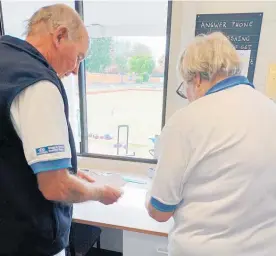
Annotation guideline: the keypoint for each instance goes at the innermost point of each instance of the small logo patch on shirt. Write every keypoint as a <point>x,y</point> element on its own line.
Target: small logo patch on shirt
<point>50,149</point>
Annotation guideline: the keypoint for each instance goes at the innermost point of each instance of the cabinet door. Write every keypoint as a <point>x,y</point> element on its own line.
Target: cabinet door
<point>138,244</point>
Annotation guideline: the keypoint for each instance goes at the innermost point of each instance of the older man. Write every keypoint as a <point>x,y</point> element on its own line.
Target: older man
<point>216,168</point>
<point>37,154</point>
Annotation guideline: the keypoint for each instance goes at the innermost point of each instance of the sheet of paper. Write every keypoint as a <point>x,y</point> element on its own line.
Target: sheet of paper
<point>245,58</point>
<point>110,179</point>
<point>133,197</point>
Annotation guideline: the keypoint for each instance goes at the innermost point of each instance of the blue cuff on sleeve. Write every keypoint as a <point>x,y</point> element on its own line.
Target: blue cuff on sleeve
<point>51,165</point>
<point>162,207</point>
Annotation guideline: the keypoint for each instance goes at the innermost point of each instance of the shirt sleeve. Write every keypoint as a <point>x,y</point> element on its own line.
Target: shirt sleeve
<point>38,117</point>
<point>166,192</point>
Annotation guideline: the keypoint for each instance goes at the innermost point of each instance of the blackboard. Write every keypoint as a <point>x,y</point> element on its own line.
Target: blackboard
<point>243,30</point>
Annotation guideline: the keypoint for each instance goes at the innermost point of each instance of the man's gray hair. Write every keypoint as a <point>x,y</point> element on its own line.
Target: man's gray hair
<point>209,56</point>
<point>51,17</point>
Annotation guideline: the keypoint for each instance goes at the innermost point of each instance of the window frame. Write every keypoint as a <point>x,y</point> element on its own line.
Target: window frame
<point>2,31</point>
<point>82,91</point>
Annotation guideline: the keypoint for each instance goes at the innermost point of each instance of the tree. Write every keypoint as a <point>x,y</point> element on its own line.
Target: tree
<point>121,63</point>
<point>161,61</point>
<point>122,52</point>
<point>100,55</point>
<point>141,65</point>
<point>139,49</point>
<point>160,68</point>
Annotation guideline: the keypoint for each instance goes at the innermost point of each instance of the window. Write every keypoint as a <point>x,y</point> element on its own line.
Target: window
<point>125,76</point>
<point>122,81</point>
<point>71,86</point>
<point>16,13</point>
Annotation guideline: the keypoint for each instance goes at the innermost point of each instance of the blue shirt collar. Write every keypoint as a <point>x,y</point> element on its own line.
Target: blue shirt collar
<point>229,83</point>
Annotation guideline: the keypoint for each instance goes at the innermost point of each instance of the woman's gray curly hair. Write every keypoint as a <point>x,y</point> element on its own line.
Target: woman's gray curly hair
<point>209,56</point>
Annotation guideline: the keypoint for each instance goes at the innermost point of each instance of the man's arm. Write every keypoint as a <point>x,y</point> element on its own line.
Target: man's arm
<point>60,185</point>
<point>39,119</point>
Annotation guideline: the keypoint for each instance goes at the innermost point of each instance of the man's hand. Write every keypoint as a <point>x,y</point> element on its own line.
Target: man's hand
<point>85,176</point>
<point>109,195</point>
<point>61,186</point>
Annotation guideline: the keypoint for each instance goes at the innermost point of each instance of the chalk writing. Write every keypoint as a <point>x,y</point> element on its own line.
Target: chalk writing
<point>243,46</point>
<point>242,29</point>
<point>242,24</point>
<point>239,38</point>
<point>212,24</point>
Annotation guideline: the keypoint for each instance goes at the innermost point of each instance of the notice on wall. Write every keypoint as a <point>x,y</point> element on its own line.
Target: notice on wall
<point>245,58</point>
<point>271,82</point>
<point>242,29</point>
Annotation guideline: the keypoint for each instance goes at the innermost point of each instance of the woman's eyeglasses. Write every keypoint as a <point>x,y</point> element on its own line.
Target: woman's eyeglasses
<point>182,90</point>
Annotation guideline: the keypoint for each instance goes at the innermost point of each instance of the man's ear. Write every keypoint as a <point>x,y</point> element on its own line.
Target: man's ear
<point>60,34</point>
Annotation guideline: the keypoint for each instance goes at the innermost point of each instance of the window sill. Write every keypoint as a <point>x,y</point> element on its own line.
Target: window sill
<point>119,158</point>
<point>91,161</point>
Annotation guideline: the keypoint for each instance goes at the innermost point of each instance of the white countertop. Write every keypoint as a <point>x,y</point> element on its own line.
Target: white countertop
<point>129,213</point>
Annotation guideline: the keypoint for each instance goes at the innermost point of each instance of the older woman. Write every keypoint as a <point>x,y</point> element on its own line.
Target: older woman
<point>216,172</point>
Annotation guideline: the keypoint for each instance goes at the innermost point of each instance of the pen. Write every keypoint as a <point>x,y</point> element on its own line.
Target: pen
<point>134,181</point>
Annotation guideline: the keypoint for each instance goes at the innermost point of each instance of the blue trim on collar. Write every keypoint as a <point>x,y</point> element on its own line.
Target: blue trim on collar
<point>229,83</point>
